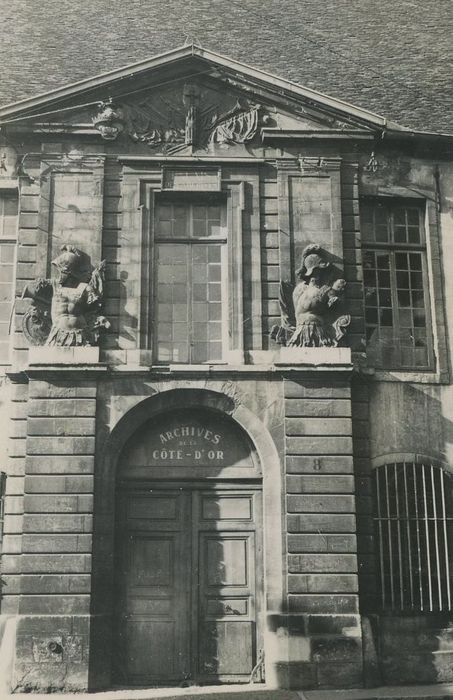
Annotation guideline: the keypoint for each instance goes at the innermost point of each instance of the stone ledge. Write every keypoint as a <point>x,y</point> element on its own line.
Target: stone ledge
<point>314,356</point>
<point>43,355</point>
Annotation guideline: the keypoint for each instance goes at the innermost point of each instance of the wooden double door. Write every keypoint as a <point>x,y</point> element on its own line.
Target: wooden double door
<point>190,579</point>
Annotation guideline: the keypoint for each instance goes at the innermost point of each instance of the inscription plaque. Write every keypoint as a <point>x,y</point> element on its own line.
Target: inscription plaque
<point>189,438</point>
<point>195,180</point>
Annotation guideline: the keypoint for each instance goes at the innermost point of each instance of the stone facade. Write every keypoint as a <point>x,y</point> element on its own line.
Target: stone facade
<point>286,168</point>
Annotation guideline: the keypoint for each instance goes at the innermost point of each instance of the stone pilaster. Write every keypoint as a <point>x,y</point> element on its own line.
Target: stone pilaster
<point>324,632</point>
<point>54,604</point>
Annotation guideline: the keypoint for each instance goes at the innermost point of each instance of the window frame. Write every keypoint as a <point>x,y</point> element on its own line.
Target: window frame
<point>192,199</point>
<point>424,528</point>
<point>10,240</point>
<point>393,248</point>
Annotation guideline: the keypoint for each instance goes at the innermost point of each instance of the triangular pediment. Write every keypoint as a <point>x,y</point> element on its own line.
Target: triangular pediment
<point>189,99</point>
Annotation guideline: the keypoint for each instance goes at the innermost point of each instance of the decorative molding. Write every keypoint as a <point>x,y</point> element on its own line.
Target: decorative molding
<point>319,164</point>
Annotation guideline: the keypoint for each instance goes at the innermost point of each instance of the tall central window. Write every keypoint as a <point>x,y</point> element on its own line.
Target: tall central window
<point>190,242</point>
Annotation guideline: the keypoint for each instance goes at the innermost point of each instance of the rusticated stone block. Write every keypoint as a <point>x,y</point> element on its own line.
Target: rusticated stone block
<point>318,445</point>
<point>62,390</point>
<point>321,523</point>
<point>340,675</point>
<point>301,390</point>
<point>321,503</point>
<point>59,464</point>
<point>318,426</point>
<point>325,604</point>
<point>333,624</point>
<point>58,523</point>
<point>39,503</point>
<point>62,407</point>
<point>60,445</point>
<point>313,563</point>
<point>60,426</point>
<point>54,604</point>
<point>319,464</point>
<point>318,408</point>
<point>59,584</point>
<point>59,484</point>
<point>322,583</point>
<point>336,649</point>
<point>303,544</point>
<point>56,563</point>
<point>319,484</point>
<point>33,544</point>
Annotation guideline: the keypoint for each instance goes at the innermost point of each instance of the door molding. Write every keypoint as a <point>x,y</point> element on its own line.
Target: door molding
<point>124,420</point>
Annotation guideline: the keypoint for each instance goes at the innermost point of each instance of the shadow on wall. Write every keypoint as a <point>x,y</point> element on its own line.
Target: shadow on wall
<point>411,646</point>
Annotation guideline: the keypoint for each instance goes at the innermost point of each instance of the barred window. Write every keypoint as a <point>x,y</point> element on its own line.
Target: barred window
<point>413,519</point>
<point>397,314</point>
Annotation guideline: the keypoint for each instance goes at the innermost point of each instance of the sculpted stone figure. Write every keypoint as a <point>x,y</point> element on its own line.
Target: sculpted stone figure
<point>310,316</point>
<point>65,311</point>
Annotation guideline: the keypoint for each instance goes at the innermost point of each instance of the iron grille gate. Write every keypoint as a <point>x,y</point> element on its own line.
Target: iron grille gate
<point>413,527</point>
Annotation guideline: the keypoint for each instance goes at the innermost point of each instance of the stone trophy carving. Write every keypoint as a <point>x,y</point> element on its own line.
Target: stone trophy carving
<point>310,309</point>
<point>171,121</point>
<point>66,311</point>
<point>109,121</point>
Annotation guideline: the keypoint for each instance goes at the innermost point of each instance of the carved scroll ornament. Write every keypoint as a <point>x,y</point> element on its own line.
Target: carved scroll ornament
<point>310,309</point>
<point>66,311</point>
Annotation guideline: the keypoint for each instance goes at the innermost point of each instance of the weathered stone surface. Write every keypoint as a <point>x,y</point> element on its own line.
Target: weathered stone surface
<point>58,523</point>
<point>319,464</point>
<point>340,563</point>
<point>60,464</point>
<point>321,543</point>
<point>316,390</point>
<point>337,604</point>
<point>56,563</point>
<point>62,407</point>
<point>318,426</point>
<point>59,484</point>
<point>321,503</point>
<point>319,445</point>
<point>322,583</point>
<point>320,483</point>
<point>318,408</point>
<point>321,523</point>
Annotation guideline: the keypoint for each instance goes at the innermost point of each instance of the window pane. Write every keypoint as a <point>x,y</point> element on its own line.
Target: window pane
<point>396,305</point>
<point>188,309</point>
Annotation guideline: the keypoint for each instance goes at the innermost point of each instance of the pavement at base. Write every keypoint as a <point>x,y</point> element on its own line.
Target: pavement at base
<point>435,692</point>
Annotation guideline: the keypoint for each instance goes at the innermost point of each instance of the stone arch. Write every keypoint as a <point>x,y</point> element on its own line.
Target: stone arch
<point>104,525</point>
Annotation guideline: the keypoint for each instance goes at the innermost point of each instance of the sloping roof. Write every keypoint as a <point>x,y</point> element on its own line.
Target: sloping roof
<point>391,58</point>
<point>194,55</point>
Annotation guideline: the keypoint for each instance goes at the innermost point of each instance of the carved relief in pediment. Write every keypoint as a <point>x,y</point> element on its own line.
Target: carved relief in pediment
<point>190,115</point>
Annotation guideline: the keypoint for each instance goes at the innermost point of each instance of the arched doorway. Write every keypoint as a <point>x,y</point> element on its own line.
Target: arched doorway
<point>189,551</point>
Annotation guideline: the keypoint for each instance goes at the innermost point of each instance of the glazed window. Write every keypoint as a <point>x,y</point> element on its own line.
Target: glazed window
<point>8,236</point>
<point>190,245</point>
<point>397,318</point>
<point>413,518</point>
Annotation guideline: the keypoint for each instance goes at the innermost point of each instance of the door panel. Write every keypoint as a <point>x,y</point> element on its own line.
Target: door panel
<point>188,600</point>
<point>227,611</point>
<point>155,602</point>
